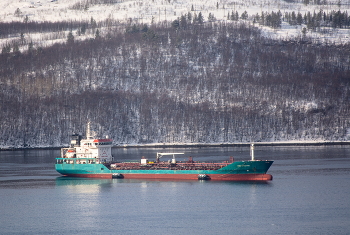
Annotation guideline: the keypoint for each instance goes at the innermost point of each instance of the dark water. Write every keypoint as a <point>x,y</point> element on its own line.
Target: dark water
<point>310,194</point>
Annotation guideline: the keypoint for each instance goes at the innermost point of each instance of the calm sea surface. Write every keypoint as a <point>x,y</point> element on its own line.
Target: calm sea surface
<point>310,194</point>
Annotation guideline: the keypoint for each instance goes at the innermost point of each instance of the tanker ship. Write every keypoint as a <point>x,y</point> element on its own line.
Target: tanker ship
<point>92,158</point>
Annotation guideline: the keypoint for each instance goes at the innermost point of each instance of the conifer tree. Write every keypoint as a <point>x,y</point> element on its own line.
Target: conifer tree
<point>18,12</point>
<point>183,22</point>
<point>244,15</point>
<point>189,17</point>
<point>70,38</point>
<point>30,47</point>
<point>200,18</point>
<point>97,35</point>
<point>175,24</point>
<point>299,18</point>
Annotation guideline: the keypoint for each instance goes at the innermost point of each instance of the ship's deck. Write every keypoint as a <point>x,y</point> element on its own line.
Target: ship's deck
<point>166,166</point>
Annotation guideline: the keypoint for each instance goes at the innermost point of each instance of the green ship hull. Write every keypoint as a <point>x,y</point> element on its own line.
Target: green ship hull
<point>241,171</point>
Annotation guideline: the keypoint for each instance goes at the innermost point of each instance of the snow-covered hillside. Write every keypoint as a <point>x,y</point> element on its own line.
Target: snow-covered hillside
<point>159,10</point>
<point>166,10</point>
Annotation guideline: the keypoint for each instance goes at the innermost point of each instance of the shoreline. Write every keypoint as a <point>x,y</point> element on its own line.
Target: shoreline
<point>199,145</point>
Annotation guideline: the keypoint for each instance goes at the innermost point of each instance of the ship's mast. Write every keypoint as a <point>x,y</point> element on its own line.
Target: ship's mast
<point>252,151</point>
<point>88,131</point>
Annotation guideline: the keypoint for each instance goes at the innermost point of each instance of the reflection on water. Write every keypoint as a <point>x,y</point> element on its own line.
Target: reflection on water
<point>75,181</point>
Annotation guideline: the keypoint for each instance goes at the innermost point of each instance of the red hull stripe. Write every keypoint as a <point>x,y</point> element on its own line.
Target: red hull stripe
<point>101,176</point>
<point>223,177</point>
<point>102,140</point>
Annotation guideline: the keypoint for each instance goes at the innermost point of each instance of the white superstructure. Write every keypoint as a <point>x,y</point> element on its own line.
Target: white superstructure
<point>99,149</point>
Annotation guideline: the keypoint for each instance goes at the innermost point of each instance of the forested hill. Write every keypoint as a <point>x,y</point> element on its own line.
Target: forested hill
<point>176,83</point>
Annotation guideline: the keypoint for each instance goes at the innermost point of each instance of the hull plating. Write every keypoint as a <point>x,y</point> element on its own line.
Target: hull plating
<point>226,177</point>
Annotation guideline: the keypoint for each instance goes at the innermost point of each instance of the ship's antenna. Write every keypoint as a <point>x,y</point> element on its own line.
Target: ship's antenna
<point>252,151</point>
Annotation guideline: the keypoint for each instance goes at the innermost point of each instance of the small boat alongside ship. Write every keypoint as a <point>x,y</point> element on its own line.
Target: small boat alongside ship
<point>92,158</point>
